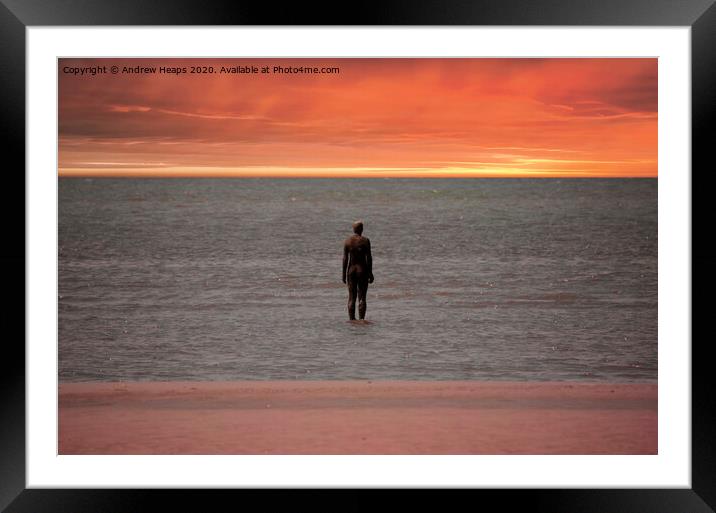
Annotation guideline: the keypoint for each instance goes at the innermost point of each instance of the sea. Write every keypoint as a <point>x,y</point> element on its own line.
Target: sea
<point>240,279</point>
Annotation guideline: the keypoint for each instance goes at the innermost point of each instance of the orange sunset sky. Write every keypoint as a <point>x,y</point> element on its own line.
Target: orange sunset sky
<point>376,118</point>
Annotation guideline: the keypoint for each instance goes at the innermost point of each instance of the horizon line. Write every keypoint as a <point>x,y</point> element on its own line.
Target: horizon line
<point>336,173</point>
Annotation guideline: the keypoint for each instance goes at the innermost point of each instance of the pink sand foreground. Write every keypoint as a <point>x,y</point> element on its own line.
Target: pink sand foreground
<point>339,417</point>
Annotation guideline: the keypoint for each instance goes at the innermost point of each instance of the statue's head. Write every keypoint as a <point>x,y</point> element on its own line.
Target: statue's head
<point>358,227</point>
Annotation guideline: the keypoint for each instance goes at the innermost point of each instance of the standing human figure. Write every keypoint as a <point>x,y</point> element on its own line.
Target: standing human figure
<point>357,270</point>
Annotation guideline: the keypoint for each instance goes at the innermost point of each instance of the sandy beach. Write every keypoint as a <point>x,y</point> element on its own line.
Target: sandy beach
<point>367,417</point>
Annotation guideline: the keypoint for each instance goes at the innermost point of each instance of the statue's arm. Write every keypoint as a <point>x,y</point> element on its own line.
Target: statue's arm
<point>345,261</point>
<point>369,263</point>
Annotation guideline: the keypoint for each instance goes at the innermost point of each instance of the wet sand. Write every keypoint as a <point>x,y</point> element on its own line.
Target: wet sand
<point>357,417</point>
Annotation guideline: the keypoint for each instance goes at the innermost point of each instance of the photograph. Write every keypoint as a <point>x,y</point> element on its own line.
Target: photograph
<point>357,256</point>
<point>271,252</point>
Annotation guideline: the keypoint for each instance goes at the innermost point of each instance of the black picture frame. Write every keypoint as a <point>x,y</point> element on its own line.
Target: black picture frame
<point>17,15</point>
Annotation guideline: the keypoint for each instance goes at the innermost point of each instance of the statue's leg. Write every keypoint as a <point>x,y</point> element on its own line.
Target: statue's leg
<point>352,292</point>
<point>362,297</point>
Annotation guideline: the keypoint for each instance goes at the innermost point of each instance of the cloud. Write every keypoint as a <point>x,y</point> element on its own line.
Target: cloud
<point>384,113</point>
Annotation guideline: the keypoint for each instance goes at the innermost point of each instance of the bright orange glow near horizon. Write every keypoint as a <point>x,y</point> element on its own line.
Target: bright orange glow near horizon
<point>374,118</point>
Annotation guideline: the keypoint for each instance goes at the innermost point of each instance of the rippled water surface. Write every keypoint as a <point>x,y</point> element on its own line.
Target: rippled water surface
<point>209,279</point>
